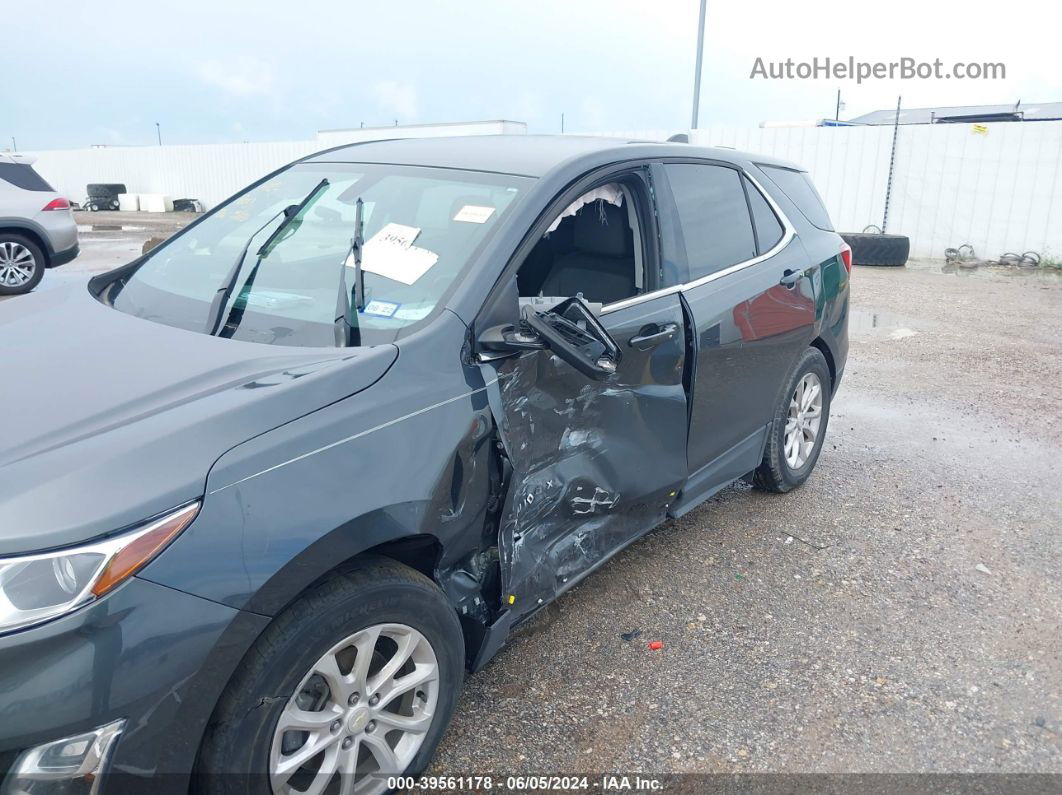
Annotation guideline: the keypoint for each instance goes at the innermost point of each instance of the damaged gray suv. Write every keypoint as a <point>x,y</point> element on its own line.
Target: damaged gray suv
<point>267,492</point>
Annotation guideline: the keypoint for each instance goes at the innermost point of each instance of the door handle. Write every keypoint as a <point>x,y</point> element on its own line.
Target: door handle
<point>790,278</point>
<point>644,342</point>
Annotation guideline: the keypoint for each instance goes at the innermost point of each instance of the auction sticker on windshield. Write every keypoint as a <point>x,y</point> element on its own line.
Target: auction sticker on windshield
<point>474,214</point>
<point>391,253</point>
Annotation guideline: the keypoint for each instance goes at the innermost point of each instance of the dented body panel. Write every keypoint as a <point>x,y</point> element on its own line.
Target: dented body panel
<point>506,477</point>
<point>594,465</point>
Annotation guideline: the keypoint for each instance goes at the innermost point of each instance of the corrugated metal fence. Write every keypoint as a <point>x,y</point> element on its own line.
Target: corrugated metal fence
<point>208,172</point>
<point>213,172</point>
<point>997,187</point>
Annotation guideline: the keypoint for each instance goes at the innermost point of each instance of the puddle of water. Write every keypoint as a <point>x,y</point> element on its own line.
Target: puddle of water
<point>868,323</point>
<point>990,272</point>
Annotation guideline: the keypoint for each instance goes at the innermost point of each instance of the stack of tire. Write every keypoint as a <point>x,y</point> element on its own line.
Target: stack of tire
<point>103,195</point>
<point>875,248</point>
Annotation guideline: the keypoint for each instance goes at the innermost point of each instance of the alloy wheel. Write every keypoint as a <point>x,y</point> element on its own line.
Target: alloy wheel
<point>17,264</point>
<point>360,714</point>
<point>805,418</point>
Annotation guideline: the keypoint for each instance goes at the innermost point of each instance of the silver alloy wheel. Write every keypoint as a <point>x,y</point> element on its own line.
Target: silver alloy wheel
<point>17,264</point>
<point>360,713</point>
<point>802,424</point>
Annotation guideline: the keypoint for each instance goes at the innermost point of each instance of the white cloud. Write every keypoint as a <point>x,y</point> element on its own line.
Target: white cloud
<point>397,98</point>
<point>245,76</point>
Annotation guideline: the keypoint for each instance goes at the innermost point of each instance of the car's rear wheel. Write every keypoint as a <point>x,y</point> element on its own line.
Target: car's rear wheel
<point>799,426</point>
<point>352,684</point>
<point>21,264</point>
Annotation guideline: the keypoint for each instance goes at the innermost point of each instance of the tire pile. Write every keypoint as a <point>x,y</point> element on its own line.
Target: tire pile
<point>103,195</point>
<point>876,248</point>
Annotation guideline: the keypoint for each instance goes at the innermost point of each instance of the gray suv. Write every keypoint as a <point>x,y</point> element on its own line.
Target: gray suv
<point>269,490</point>
<point>37,229</point>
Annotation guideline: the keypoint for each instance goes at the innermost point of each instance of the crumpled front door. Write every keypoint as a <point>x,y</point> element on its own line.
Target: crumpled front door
<point>595,463</point>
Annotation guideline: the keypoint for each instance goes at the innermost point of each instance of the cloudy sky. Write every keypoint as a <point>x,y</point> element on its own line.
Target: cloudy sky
<point>74,73</point>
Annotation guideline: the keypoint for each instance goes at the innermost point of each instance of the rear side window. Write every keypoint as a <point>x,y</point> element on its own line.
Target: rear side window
<point>768,227</point>
<point>22,175</point>
<point>797,186</point>
<point>713,216</point>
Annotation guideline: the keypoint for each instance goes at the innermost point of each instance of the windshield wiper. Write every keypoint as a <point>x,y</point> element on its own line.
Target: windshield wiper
<point>291,214</point>
<point>344,329</point>
<point>221,297</point>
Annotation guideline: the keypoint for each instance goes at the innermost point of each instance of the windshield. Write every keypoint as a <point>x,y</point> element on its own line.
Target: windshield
<point>420,228</point>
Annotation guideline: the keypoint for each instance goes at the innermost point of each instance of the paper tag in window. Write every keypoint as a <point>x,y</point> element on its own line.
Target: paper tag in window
<point>380,308</point>
<point>395,234</point>
<point>391,253</point>
<point>474,214</point>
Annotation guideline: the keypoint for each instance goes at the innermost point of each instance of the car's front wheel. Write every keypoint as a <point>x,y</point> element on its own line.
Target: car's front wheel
<point>798,428</point>
<point>351,685</point>
<point>21,264</point>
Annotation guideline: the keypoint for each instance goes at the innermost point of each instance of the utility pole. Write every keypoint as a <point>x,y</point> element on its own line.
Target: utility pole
<point>562,124</point>
<point>837,113</point>
<point>697,72</point>
<point>158,132</point>
<point>14,146</point>
<point>892,166</point>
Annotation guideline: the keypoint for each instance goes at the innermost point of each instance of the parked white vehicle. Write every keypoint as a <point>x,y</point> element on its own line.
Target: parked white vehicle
<point>37,229</point>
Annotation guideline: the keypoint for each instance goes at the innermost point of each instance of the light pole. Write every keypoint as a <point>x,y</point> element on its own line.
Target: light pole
<point>697,72</point>
<point>158,132</point>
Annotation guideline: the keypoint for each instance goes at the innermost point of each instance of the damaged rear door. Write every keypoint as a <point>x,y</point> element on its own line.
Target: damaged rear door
<point>594,460</point>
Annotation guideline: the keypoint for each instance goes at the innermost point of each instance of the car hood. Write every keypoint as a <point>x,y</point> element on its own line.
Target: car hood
<point>107,419</point>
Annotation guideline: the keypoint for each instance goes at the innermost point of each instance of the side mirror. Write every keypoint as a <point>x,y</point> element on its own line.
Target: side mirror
<point>510,339</point>
<point>570,330</point>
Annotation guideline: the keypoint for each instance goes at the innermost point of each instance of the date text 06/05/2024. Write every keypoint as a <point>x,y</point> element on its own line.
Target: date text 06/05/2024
<point>605,783</point>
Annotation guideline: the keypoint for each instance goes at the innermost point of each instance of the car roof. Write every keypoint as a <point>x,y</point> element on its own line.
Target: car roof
<point>524,155</point>
<point>17,159</point>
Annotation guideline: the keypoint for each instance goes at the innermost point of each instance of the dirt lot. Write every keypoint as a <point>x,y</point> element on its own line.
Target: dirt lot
<point>845,626</point>
<point>900,612</point>
<point>109,240</point>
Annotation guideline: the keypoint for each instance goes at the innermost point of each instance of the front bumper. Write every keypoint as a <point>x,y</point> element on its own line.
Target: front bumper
<point>156,657</point>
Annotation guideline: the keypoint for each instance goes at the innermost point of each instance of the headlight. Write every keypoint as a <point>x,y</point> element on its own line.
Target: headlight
<point>70,766</point>
<point>35,588</point>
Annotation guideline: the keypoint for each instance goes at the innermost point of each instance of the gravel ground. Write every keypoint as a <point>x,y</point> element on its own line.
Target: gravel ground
<point>844,627</point>
<point>109,240</point>
<point>899,613</point>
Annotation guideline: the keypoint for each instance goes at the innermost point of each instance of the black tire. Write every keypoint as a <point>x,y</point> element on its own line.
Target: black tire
<point>234,754</point>
<point>104,190</point>
<point>39,263</point>
<point>870,249</point>
<point>92,207</point>
<point>774,473</point>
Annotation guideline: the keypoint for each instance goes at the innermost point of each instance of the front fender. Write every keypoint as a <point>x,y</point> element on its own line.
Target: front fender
<point>401,458</point>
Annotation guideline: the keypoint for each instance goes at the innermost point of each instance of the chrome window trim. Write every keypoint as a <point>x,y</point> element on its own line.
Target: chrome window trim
<point>788,233</point>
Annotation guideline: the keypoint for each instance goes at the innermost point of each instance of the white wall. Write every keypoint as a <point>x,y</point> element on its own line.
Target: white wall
<point>213,172</point>
<point>1000,191</point>
<point>209,172</point>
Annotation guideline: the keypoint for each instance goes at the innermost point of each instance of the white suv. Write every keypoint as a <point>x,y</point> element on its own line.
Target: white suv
<point>37,229</point>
